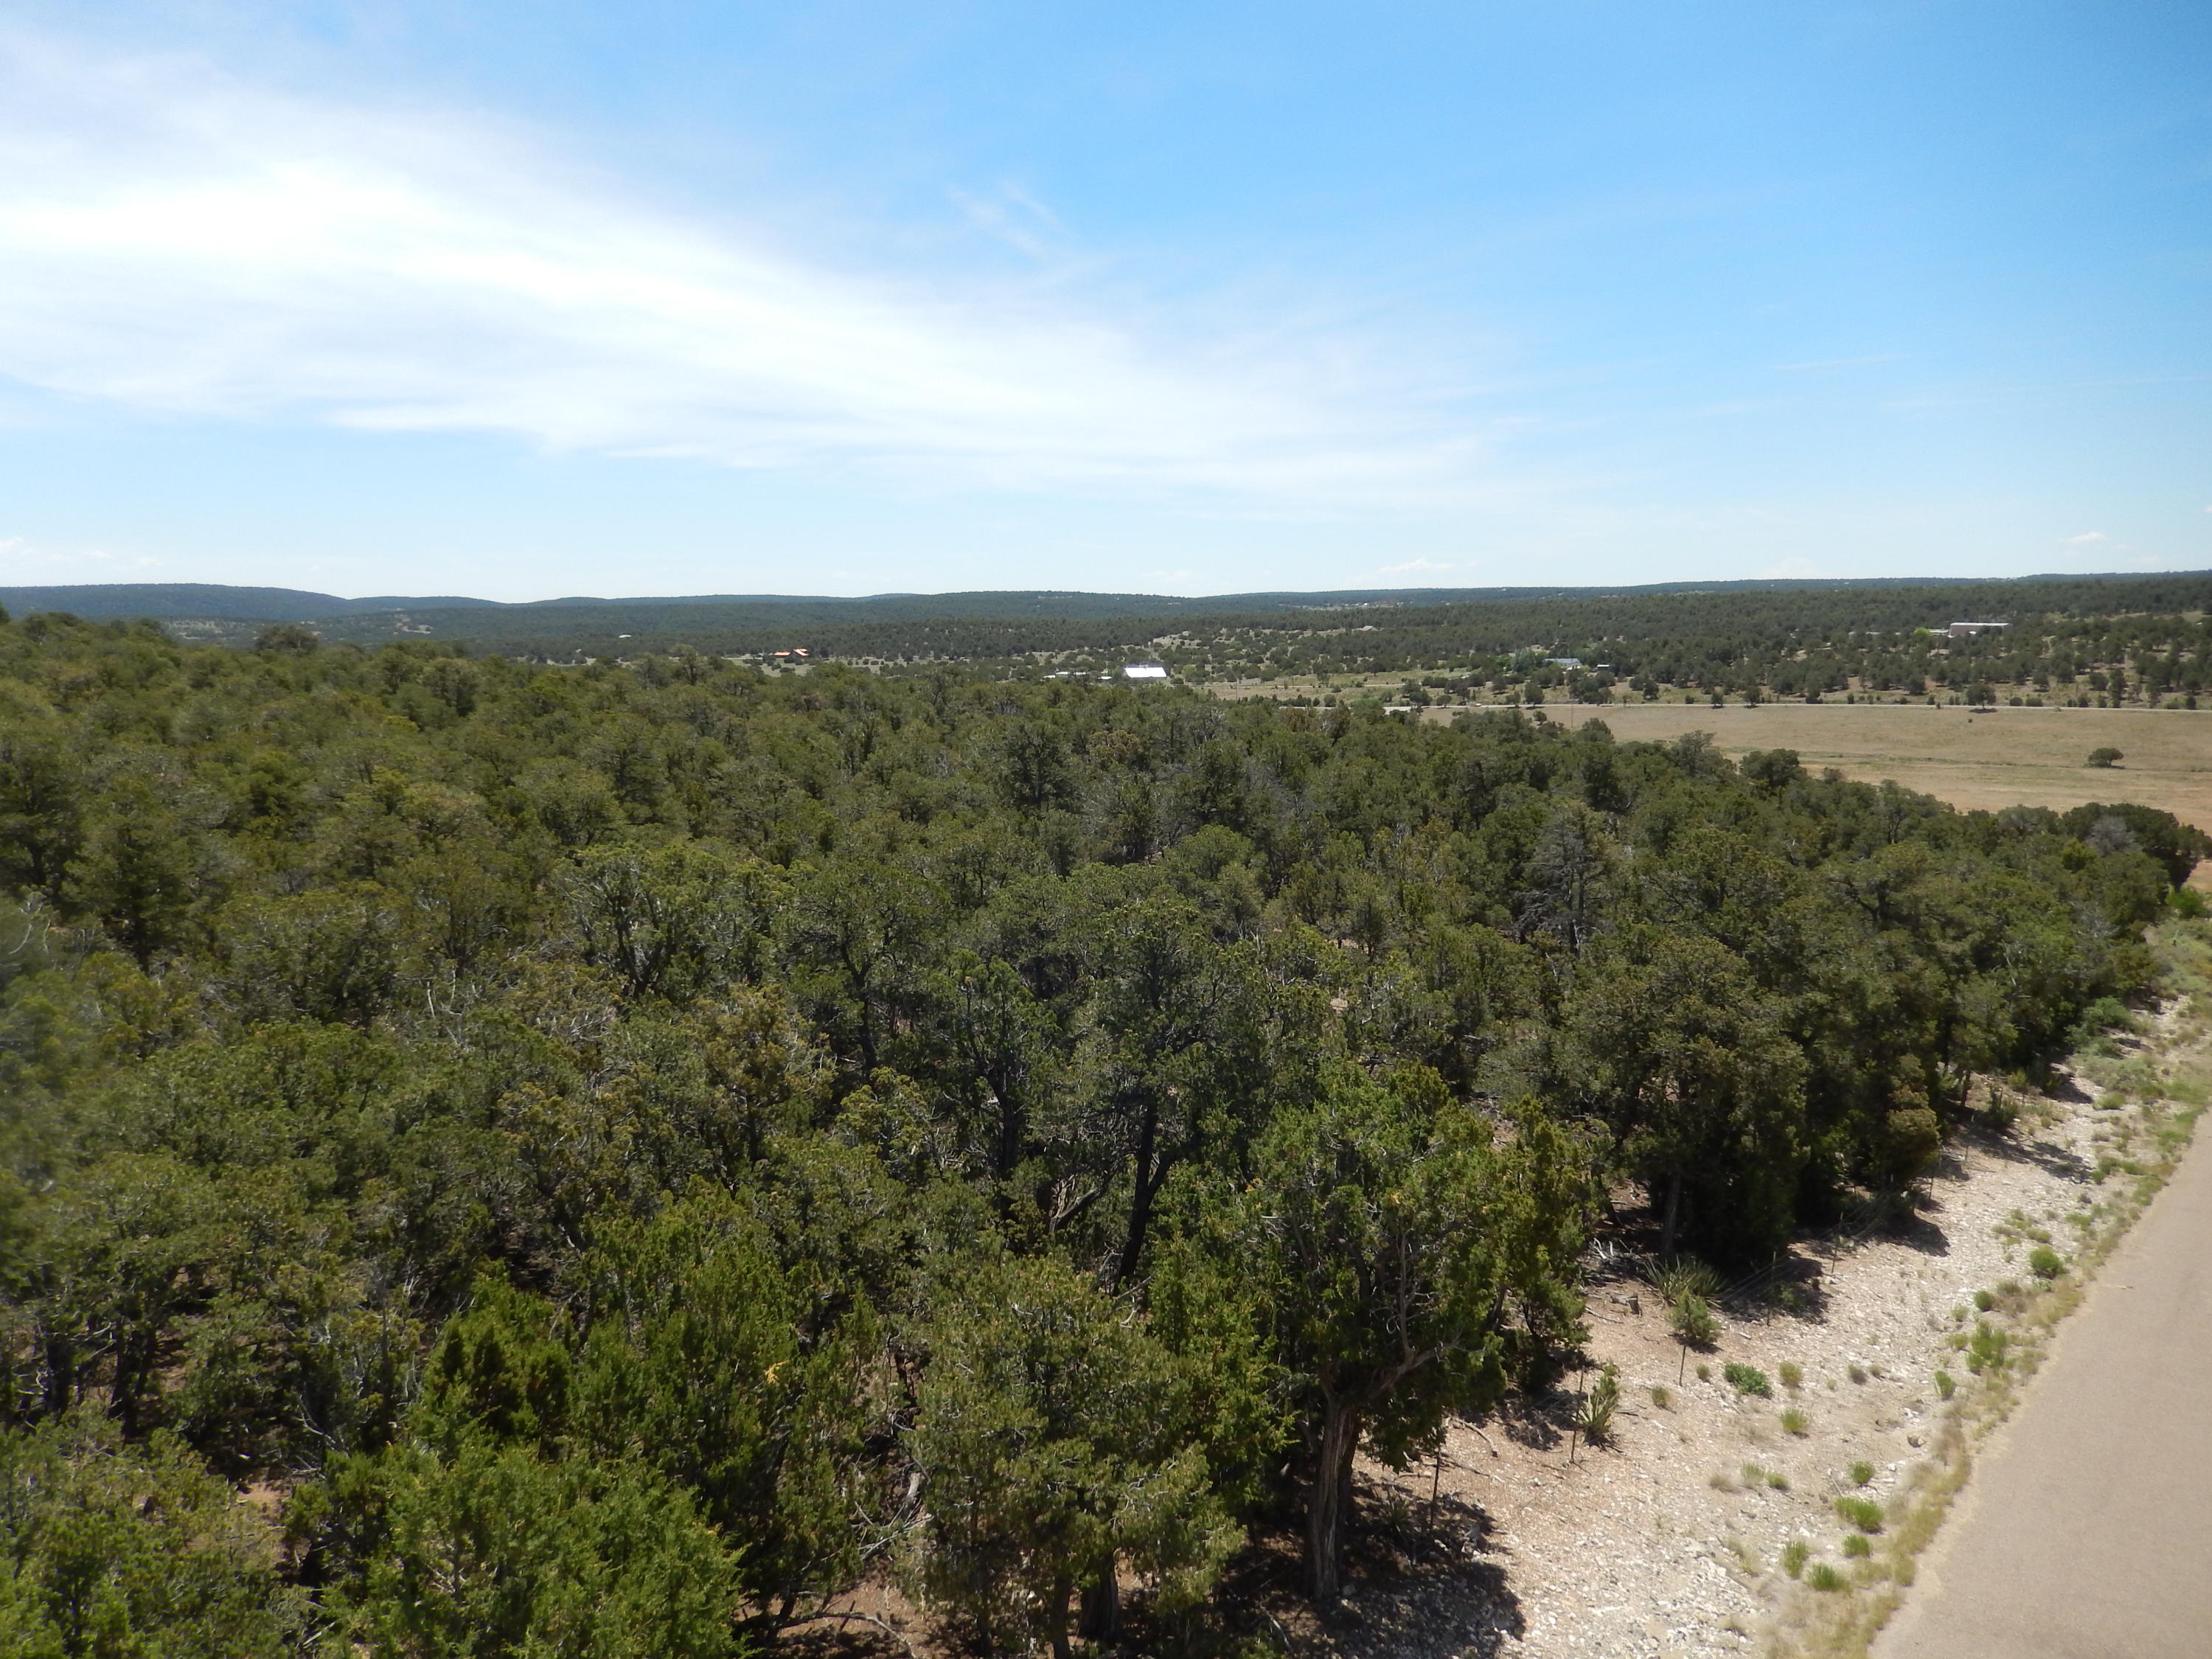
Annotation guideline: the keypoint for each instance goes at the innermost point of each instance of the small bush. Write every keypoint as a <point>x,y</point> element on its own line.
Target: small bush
<point>1862,1471</point>
<point>1791,1373</point>
<point>1858,1373</point>
<point>1825,1578</point>
<point>1692,1319</point>
<point>1946,1385</point>
<point>1856,1544</point>
<point>1683,1276</point>
<point>1662,1398</point>
<point>1862,1512</point>
<point>1983,1301</point>
<point>2045,1262</point>
<point>1596,1418</point>
<point>1779,1480</point>
<point>2189,904</point>
<point>1793,1557</point>
<point>1985,1351</point>
<point>1704,1372</point>
<point>1747,1379</point>
<point>1796,1422</point>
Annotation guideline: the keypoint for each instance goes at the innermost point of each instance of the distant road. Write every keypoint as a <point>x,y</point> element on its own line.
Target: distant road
<point>2085,1531</point>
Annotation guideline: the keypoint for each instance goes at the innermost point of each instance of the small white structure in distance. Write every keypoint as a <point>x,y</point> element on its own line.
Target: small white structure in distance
<point>1967,630</point>
<point>1143,671</point>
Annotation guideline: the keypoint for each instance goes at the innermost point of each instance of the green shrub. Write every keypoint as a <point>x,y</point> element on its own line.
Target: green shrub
<point>1684,1276</point>
<point>1704,1372</point>
<point>2045,1262</point>
<point>1793,1557</point>
<point>1663,1398</point>
<point>2105,756</point>
<point>1856,1544</point>
<point>1747,1379</point>
<point>1985,1351</point>
<point>1693,1320</point>
<point>1596,1418</point>
<point>1946,1385</point>
<point>1862,1512</point>
<point>1984,1301</point>
<point>1825,1578</point>
<point>1791,1373</point>
<point>1796,1422</point>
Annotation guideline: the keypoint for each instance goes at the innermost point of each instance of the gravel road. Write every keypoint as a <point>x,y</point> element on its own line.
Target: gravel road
<point>2086,1531</point>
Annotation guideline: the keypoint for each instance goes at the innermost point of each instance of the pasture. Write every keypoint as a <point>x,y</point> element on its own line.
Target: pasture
<point>1986,758</point>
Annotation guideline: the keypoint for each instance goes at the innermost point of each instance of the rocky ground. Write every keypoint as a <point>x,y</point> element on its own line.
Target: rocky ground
<point>1671,1539</point>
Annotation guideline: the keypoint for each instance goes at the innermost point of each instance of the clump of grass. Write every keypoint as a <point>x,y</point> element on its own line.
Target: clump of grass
<point>1862,1512</point>
<point>2045,1262</point>
<point>1858,1373</point>
<point>1704,1372</point>
<point>1796,1422</point>
<point>1663,1398</point>
<point>1791,1373</point>
<point>1856,1544</point>
<point>1747,1379</point>
<point>1958,1315</point>
<point>1825,1578</point>
<point>1983,1301</point>
<point>1684,1276</point>
<point>1862,1471</point>
<point>1793,1556</point>
<point>1946,1385</point>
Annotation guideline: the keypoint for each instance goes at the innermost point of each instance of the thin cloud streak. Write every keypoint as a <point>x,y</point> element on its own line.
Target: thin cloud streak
<point>174,241</point>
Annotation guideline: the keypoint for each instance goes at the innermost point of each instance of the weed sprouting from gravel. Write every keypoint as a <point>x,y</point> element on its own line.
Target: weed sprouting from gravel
<point>1747,1379</point>
<point>1861,1472</point>
<point>1825,1578</point>
<point>1792,1375</point>
<point>1946,1385</point>
<point>1796,1422</point>
<point>1856,1544</point>
<point>1793,1556</point>
<point>2045,1262</point>
<point>1663,1398</point>
<point>1862,1512</point>
<point>1858,1373</point>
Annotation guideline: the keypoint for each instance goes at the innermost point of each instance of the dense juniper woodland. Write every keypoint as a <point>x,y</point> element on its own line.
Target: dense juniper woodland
<point>509,1157</point>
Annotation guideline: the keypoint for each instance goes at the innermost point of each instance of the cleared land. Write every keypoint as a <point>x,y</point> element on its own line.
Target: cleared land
<point>1988,759</point>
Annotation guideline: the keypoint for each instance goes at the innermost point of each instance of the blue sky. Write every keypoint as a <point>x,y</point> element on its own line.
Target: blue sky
<point>528,300</point>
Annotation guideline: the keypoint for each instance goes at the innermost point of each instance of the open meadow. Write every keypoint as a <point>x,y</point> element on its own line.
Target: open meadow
<point>1986,758</point>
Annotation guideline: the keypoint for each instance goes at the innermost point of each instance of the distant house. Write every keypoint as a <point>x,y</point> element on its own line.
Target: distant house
<point>1143,671</point>
<point>1563,662</point>
<point>1967,630</point>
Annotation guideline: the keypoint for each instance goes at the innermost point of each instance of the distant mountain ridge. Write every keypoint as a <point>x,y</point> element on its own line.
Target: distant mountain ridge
<point>219,602</point>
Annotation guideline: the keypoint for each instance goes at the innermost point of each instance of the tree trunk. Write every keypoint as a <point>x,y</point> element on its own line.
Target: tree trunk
<point>1673,1217</point>
<point>1101,1617</point>
<point>1140,1201</point>
<point>1062,1587</point>
<point>1328,1513</point>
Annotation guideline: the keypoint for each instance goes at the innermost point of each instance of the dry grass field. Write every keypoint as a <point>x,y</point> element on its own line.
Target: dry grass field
<point>1989,758</point>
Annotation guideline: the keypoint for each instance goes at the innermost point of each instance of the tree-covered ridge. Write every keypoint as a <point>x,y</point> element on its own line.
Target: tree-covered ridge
<point>608,1158</point>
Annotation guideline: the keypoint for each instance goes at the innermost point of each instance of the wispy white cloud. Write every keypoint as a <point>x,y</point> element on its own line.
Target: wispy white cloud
<point>174,240</point>
<point>1411,565</point>
<point>1796,568</point>
<point>2089,539</point>
<point>22,558</point>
